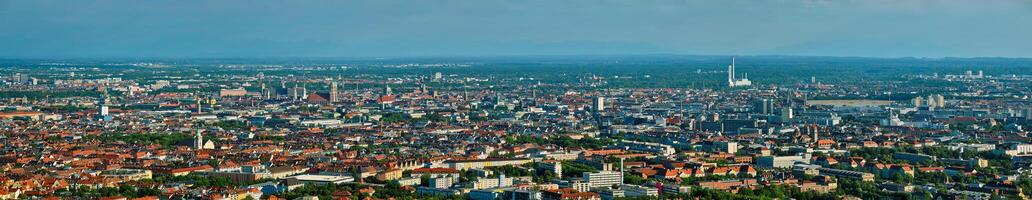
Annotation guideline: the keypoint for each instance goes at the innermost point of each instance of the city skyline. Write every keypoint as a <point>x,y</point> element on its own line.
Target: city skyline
<point>507,100</point>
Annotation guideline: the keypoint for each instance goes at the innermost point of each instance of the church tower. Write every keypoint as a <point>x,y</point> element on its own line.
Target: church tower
<point>333,91</point>
<point>199,142</point>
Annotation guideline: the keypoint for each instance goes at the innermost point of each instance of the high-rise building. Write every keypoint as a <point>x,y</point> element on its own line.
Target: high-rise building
<point>295,93</point>
<point>264,93</point>
<point>931,101</point>
<point>727,147</point>
<point>103,106</point>
<point>602,178</point>
<point>763,106</point>
<point>813,133</point>
<point>940,101</point>
<point>787,113</point>
<point>918,101</point>
<point>556,167</point>
<point>935,101</point>
<point>442,182</point>
<point>102,109</point>
<point>599,103</point>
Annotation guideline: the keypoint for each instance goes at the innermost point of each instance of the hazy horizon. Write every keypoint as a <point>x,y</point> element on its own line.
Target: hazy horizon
<point>404,29</point>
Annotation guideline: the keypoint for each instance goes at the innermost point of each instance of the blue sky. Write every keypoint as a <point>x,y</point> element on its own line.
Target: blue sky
<point>392,28</point>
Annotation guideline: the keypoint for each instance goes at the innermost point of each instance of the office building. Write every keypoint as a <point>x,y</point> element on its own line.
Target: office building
<point>637,190</point>
<point>603,178</point>
<point>780,161</point>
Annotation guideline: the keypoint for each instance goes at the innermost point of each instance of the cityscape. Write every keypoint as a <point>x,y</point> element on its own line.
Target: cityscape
<point>146,110</point>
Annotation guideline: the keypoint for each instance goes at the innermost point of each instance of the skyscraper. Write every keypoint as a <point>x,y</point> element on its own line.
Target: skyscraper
<point>940,100</point>
<point>600,103</point>
<point>763,106</point>
<point>931,101</point>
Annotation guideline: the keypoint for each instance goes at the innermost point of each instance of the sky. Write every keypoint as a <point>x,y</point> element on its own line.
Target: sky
<point>428,28</point>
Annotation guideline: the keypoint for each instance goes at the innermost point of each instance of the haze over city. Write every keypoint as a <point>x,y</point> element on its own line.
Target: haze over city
<point>516,100</point>
<point>393,28</point>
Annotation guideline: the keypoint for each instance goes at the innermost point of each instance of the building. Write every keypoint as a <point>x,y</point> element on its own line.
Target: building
<point>285,171</point>
<point>728,184</point>
<point>918,101</point>
<point>609,193</point>
<point>972,147</point>
<point>727,147</point>
<point>437,191</point>
<point>437,76</point>
<point>31,115</point>
<point>764,106</point>
<point>599,103</point>
<point>863,176</point>
<point>657,148</point>
<point>676,189</point>
<point>913,157</point>
<point>781,161</point>
<point>578,185</point>
<point>971,195</point>
<point>731,81</point>
<point>334,94</point>
<point>568,194</point>
<point>637,190</point>
<point>480,164</point>
<point>318,179</point>
<point>970,163</point>
<point>521,195</point>
<point>434,172</point>
<point>388,175</point>
<point>603,178</point>
<point>182,171</point>
<point>199,142</point>
<point>823,184</point>
<point>499,182</point>
<point>801,170</point>
<point>936,101</point>
<point>103,113</point>
<point>232,92</point>
<point>1017,149</point>
<point>243,174</point>
<point>556,167</point>
<point>442,182</point>
<point>127,174</point>
<point>410,181</point>
<point>485,194</point>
